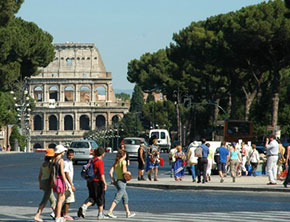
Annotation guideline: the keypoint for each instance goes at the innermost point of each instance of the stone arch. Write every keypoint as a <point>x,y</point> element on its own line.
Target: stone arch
<point>69,94</point>
<point>68,122</point>
<point>52,145</point>
<point>100,122</point>
<point>37,146</point>
<point>38,93</point>
<point>115,119</point>
<point>85,94</point>
<point>37,122</point>
<point>101,93</point>
<point>84,122</point>
<point>53,93</point>
<point>52,122</point>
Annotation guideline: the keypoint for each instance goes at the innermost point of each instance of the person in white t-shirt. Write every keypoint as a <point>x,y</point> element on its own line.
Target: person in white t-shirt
<point>69,174</point>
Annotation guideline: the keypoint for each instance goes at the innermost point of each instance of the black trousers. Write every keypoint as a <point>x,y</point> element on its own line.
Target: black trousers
<point>254,168</point>
<point>202,167</point>
<point>288,174</point>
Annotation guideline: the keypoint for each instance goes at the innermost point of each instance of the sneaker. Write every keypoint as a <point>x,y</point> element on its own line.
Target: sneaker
<point>139,178</point>
<point>130,215</point>
<point>149,177</point>
<point>111,215</point>
<point>59,219</point>
<point>52,215</point>
<point>82,212</point>
<point>102,216</point>
<point>142,178</point>
<point>234,179</point>
<point>193,180</point>
<point>38,220</point>
<point>222,180</point>
<point>67,217</point>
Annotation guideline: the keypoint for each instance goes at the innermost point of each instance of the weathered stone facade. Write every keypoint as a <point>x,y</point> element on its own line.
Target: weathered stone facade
<point>73,94</point>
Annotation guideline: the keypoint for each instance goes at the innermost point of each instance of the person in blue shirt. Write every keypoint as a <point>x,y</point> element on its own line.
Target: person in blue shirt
<point>202,162</point>
<point>223,160</point>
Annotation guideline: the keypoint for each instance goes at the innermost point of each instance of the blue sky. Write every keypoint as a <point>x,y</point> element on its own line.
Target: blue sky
<point>122,29</point>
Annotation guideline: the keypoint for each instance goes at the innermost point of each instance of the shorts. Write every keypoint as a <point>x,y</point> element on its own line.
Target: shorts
<point>69,196</point>
<point>99,192</point>
<point>222,167</point>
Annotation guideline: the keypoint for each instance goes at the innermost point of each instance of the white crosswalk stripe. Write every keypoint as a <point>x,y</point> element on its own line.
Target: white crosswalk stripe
<point>266,216</point>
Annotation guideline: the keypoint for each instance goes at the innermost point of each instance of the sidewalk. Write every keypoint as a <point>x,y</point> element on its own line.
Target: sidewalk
<point>244,183</point>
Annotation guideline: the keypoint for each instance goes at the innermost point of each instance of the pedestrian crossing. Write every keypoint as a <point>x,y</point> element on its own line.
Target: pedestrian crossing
<point>174,217</point>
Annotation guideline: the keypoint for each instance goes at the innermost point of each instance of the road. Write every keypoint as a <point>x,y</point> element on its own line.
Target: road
<point>20,196</point>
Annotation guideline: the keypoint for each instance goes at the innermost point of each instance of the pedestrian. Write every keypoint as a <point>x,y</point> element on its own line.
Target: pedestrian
<point>179,164</point>
<point>152,162</point>
<point>235,159</point>
<point>122,147</point>
<point>272,148</point>
<point>202,162</point>
<point>287,164</point>
<point>120,169</point>
<point>192,160</point>
<point>58,180</point>
<point>254,159</point>
<point>172,160</point>
<point>222,160</point>
<point>70,192</point>
<point>141,161</point>
<point>44,184</point>
<point>1,149</point>
<point>8,148</point>
<point>281,159</point>
<point>244,156</point>
<point>97,187</point>
<point>209,162</point>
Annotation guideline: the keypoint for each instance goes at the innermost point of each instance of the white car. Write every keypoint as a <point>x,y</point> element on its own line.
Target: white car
<point>83,149</point>
<point>163,138</point>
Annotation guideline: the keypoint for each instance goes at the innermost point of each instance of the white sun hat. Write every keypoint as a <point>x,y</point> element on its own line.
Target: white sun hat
<point>59,149</point>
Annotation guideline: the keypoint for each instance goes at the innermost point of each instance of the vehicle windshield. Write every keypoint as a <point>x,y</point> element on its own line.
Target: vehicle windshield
<point>155,134</point>
<point>94,144</point>
<point>132,141</point>
<point>79,145</point>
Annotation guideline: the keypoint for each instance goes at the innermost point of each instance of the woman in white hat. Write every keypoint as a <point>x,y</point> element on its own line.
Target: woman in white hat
<point>58,180</point>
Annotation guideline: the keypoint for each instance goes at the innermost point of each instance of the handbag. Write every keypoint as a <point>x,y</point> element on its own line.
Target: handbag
<point>127,176</point>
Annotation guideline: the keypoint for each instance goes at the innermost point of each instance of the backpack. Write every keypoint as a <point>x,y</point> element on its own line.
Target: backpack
<point>198,152</point>
<point>217,156</point>
<point>87,172</point>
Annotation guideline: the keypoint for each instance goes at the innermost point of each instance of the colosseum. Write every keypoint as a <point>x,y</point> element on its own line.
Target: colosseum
<point>73,94</point>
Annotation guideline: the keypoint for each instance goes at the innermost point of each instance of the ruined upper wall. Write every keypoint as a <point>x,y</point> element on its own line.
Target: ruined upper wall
<point>79,60</point>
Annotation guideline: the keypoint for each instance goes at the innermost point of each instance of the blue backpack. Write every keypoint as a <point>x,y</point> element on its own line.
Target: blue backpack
<point>88,171</point>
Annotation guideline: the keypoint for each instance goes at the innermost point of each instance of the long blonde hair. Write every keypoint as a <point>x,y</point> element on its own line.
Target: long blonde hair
<point>120,155</point>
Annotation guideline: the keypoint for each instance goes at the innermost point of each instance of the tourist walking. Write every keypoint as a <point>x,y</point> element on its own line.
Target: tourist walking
<point>172,160</point>
<point>244,156</point>
<point>152,162</point>
<point>272,148</point>
<point>70,192</point>
<point>192,160</point>
<point>222,160</point>
<point>287,164</point>
<point>235,159</point>
<point>141,161</point>
<point>209,162</point>
<point>97,187</point>
<point>202,162</point>
<point>44,184</point>
<point>120,168</point>
<point>122,147</point>
<point>58,180</point>
<point>179,164</point>
<point>254,159</point>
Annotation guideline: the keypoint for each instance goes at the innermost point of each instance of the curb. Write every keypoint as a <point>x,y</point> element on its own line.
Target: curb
<point>196,187</point>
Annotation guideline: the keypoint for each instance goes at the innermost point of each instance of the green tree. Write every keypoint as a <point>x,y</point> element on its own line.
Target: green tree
<point>137,100</point>
<point>150,98</point>
<point>123,96</point>
<point>8,8</point>
<point>15,135</point>
<point>131,125</point>
<point>7,112</point>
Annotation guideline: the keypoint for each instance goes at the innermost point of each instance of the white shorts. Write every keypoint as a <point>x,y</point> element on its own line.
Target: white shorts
<point>69,196</point>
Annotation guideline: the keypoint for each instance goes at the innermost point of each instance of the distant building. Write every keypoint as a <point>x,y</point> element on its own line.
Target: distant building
<point>158,96</point>
<point>73,94</point>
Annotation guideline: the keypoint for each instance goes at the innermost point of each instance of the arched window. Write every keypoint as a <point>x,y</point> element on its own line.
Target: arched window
<point>52,122</point>
<point>69,94</point>
<point>38,94</point>
<point>38,122</point>
<point>69,62</point>
<point>37,146</point>
<point>53,93</point>
<point>100,93</point>
<point>100,122</point>
<point>68,123</point>
<point>85,94</point>
<point>115,119</point>
<point>84,122</point>
<point>52,145</point>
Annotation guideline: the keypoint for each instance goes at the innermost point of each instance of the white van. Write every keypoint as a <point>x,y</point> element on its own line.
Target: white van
<point>163,138</point>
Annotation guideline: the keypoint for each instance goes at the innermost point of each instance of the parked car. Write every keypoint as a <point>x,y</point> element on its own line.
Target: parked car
<point>83,149</point>
<point>163,139</point>
<point>132,145</point>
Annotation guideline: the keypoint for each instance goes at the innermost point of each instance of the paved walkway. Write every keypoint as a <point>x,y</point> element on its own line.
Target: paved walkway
<point>244,183</point>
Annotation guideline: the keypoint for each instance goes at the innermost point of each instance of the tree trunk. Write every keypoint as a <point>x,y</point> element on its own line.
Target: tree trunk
<point>215,117</point>
<point>275,98</point>
<point>249,100</point>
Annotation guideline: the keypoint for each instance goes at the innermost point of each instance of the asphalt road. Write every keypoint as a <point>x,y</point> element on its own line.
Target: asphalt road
<point>19,187</point>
